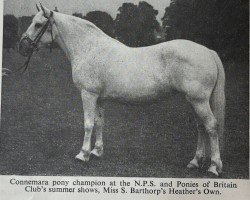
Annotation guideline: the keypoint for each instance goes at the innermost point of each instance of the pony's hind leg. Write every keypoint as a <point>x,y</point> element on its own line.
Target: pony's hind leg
<point>203,110</point>
<point>200,153</point>
<point>99,121</point>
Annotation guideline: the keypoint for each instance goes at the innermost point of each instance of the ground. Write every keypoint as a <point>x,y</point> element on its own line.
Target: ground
<point>42,127</point>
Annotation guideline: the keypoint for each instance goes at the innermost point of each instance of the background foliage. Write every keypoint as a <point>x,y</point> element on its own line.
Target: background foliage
<point>221,25</point>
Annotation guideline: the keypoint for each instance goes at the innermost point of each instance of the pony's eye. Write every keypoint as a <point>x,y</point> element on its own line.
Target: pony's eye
<point>38,25</point>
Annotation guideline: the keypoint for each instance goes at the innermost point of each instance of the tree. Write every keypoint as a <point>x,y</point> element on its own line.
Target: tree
<point>148,24</point>
<point>126,24</point>
<point>10,31</point>
<point>136,25</point>
<point>23,24</point>
<point>221,25</point>
<point>78,15</point>
<point>103,21</point>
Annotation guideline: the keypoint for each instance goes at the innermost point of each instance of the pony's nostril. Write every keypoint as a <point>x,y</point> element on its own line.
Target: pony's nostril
<point>24,47</point>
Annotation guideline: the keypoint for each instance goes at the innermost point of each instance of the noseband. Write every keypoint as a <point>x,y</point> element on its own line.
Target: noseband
<point>33,44</point>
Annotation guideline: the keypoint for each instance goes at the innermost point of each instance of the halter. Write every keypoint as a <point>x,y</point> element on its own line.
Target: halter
<point>34,43</point>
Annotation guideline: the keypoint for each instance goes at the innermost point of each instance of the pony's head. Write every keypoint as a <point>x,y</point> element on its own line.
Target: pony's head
<point>39,32</point>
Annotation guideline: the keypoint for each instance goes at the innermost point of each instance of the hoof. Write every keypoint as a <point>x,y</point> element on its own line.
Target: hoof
<point>82,157</point>
<point>97,152</point>
<point>212,175</point>
<point>213,171</point>
<point>193,164</point>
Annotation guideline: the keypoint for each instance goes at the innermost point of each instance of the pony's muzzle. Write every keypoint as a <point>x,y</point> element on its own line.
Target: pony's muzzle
<point>26,46</point>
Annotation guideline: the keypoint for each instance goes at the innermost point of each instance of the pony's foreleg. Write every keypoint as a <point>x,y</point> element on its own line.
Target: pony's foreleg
<point>99,122</point>
<point>89,106</point>
<point>201,148</point>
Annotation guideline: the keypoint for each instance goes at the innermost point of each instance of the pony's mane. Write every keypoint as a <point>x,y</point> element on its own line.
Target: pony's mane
<point>83,22</point>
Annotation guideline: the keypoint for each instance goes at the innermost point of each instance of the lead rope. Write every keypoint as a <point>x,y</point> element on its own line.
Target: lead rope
<point>25,65</point>
<point>52,39</point>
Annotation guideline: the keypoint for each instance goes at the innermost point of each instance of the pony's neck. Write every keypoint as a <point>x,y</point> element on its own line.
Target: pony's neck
<point>75,36</point>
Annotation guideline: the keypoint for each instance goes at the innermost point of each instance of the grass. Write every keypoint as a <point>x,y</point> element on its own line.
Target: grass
<point>42,127</point>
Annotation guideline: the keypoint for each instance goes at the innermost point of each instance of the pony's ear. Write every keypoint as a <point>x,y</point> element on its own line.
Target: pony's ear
<point>46,11</point>
<point>38,9</point>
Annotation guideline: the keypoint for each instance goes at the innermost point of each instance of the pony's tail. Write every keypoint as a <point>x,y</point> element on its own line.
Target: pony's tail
<point>218,99</point>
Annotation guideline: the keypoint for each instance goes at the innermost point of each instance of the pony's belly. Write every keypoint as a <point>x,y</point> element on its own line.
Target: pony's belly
<point>136,82</point>
<point>136,94</point>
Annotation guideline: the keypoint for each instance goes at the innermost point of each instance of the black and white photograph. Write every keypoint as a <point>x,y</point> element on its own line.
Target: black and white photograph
<point>125,88</point>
